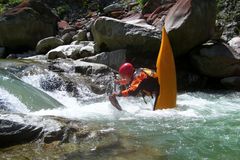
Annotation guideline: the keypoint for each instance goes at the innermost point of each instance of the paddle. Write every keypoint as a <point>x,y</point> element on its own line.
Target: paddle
<point>114,102</point>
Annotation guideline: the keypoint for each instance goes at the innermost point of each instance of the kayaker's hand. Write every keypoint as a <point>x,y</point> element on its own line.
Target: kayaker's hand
<point>115,94</point>
<point>120,81</point>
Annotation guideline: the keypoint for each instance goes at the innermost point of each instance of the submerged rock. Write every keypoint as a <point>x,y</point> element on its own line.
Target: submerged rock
<point>51,83</point>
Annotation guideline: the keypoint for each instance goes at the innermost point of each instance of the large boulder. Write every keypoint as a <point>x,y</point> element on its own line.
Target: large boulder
<point>216,60</point>
<point>112,34</point>
<point>190,23</point>
<point>26,24</point>
<point>46,44</point>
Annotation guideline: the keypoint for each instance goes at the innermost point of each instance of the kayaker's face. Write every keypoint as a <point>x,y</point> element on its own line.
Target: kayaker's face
<point>126,79</point>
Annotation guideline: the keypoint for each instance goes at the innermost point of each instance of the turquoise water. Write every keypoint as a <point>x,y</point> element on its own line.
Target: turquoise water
<point>203,126</point>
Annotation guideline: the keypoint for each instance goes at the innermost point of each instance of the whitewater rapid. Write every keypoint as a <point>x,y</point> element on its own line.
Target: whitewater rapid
<point>203,125</point>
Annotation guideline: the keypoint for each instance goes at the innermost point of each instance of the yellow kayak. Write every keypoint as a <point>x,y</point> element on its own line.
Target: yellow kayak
<point>166,75</point>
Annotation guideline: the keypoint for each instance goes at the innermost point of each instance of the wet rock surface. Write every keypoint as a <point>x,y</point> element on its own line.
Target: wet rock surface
<point>13,133</point>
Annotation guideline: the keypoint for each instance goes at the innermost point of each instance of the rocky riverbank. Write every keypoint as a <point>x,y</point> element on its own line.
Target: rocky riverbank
<point>122,32</point>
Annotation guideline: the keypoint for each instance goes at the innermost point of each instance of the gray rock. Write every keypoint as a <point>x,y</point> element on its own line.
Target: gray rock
<point>86,50</point>
<point>80,36</point>
<point>235,44</point>
<point>216,60</point>
<point>90,68</point>
<point>63,51</point>
<point>12,133</point>
<point>112,34</point>
<point>231,82</point>
<point>51,83</point>
<point>55,54</point>
<point>112,59</point>
<point>69,30</point>
<point>89,36</point>
<point>113,7</point>
<point>67,38</point>
<point>46,44</point>
<point>82,43</point>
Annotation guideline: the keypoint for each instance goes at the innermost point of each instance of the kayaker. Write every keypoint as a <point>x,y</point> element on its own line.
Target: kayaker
<point>141,81</point>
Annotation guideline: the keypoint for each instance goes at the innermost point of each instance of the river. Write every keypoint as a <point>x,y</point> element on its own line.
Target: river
<point>204,125</point>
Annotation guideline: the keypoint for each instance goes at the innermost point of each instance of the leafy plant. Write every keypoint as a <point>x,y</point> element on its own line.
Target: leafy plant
<point>2,8</point>
<point>14,2</point>
<point>4,4</point>
<point>142,2</point>
<point>63,9</point>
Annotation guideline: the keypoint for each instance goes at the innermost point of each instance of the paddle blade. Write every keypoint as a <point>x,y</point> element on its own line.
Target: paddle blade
<point>114,102</point>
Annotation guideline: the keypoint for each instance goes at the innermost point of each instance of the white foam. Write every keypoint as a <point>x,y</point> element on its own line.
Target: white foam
<point>189,105</point>
<point>13,103</point>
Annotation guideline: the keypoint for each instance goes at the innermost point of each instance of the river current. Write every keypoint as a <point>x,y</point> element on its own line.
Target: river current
<point>204,125</point>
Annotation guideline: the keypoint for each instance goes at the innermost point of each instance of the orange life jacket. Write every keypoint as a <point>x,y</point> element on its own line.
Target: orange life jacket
<point>144,81</point>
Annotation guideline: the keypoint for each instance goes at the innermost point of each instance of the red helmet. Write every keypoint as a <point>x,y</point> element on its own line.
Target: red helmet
<point>126,69</point>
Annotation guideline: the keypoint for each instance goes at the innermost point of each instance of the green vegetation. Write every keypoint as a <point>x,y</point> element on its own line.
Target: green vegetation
<point>228,14</point>
<point>63,9</point>
<point>4,4</point>
<point>142,2</point>
<point>2,8</point>
<point>13,2</point>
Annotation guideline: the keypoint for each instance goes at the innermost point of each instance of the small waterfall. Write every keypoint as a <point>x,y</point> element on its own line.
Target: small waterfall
<point>32,97</point>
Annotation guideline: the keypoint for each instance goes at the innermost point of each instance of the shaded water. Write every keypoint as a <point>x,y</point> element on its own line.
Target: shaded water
<point>203,126</point>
